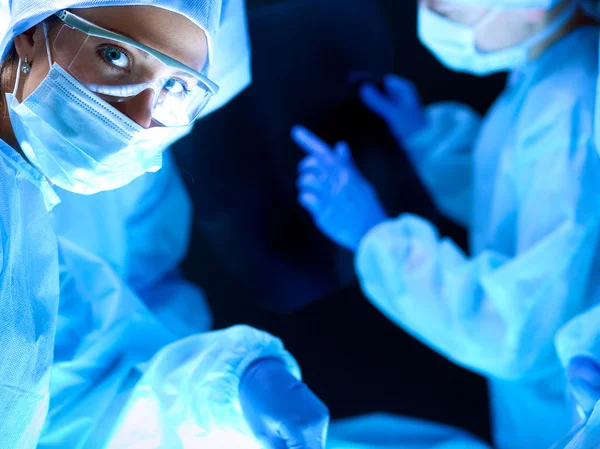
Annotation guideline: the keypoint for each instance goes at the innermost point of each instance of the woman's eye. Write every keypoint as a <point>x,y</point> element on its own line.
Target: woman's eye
<point>116,57</point>
<point>175,86</point>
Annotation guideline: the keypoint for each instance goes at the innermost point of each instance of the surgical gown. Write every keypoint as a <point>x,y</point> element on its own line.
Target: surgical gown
<point>121,376</point>
<point>589,436</point>
<point>186,390</point>
<point>118,370</point>
<point>142,232</point>
<point>28,308</point>
<point>525,180</point>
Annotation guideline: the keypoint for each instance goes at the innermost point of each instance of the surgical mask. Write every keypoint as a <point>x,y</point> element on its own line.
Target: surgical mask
<point>78,141</point>
<point>454,44</point>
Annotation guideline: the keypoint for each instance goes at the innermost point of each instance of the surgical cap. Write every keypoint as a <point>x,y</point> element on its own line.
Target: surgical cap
<point>4,17</point>
<point>25,14</point>
<point>232,68</point>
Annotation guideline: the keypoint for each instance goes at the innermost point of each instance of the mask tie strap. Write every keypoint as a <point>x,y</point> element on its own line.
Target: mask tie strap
<point>487,18</point>
<point>18,78</point>
<point>45,27</point>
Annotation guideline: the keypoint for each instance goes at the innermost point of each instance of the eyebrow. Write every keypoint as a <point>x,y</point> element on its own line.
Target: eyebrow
<point>145,55</point>
<point>124,34</point>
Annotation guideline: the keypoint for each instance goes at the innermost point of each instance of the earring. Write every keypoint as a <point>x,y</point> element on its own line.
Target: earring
<point>26,67</point>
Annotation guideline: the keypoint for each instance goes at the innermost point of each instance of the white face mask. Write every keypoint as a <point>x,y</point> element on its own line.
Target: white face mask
<point>80,142</point>
<point>454,44</point>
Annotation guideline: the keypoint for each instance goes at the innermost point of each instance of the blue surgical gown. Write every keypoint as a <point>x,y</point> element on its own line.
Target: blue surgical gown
<point>525,180</point>
<point>589,436</point>
<point>29,303</point>
<point>135,364</point>
<point>115,369</point>
<point>142,232</point>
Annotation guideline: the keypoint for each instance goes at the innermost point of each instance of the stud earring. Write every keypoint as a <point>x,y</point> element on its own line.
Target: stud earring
<point>26,66</point>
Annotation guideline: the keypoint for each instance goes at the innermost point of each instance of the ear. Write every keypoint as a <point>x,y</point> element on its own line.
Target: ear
<point>24,44</point>
<point>534,15</point>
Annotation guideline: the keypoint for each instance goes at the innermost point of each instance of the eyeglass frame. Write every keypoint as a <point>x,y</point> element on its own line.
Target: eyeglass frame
<point>80,24</point>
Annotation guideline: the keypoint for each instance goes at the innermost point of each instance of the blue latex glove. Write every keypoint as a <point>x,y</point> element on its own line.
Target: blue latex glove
<point>583,375</point>
<point>343,204</point>
<point>400,106</point>
<point>281,410</point>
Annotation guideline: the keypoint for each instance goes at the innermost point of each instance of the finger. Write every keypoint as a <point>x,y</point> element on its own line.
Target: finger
<point>311,163</point>
<point>304,440</point>
<point>310,201</point>
<point>307,427</point>
<point>343,151</point>
<point>401,90</point>
<point>378,102</point>
<point>273,443</point>
<point>310,142</point>
<point>310,181</point>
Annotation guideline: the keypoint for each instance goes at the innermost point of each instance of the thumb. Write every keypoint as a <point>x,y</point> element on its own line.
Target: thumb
<point>342,150</point>
<point>403,91</point>
<point>377,101</point>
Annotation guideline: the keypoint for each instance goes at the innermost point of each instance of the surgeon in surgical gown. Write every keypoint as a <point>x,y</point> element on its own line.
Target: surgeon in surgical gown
<point>121,376</point>
<point>524,180</point>
<point>142,230</point>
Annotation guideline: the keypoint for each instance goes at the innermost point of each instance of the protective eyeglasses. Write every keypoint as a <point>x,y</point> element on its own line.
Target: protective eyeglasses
<point>117,69</point>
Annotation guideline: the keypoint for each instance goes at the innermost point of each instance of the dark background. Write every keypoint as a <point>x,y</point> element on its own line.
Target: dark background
<point>256,252</point>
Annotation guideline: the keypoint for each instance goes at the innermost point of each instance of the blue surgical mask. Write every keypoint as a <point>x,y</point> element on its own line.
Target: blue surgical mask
<point>81,143</point>
<point>454,44</point>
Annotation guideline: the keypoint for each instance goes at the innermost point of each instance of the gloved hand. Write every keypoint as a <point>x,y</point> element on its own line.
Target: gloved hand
<point>344,205</point>
<point>281,411</point>
<point>583,375</point>
<point>400,106</point>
